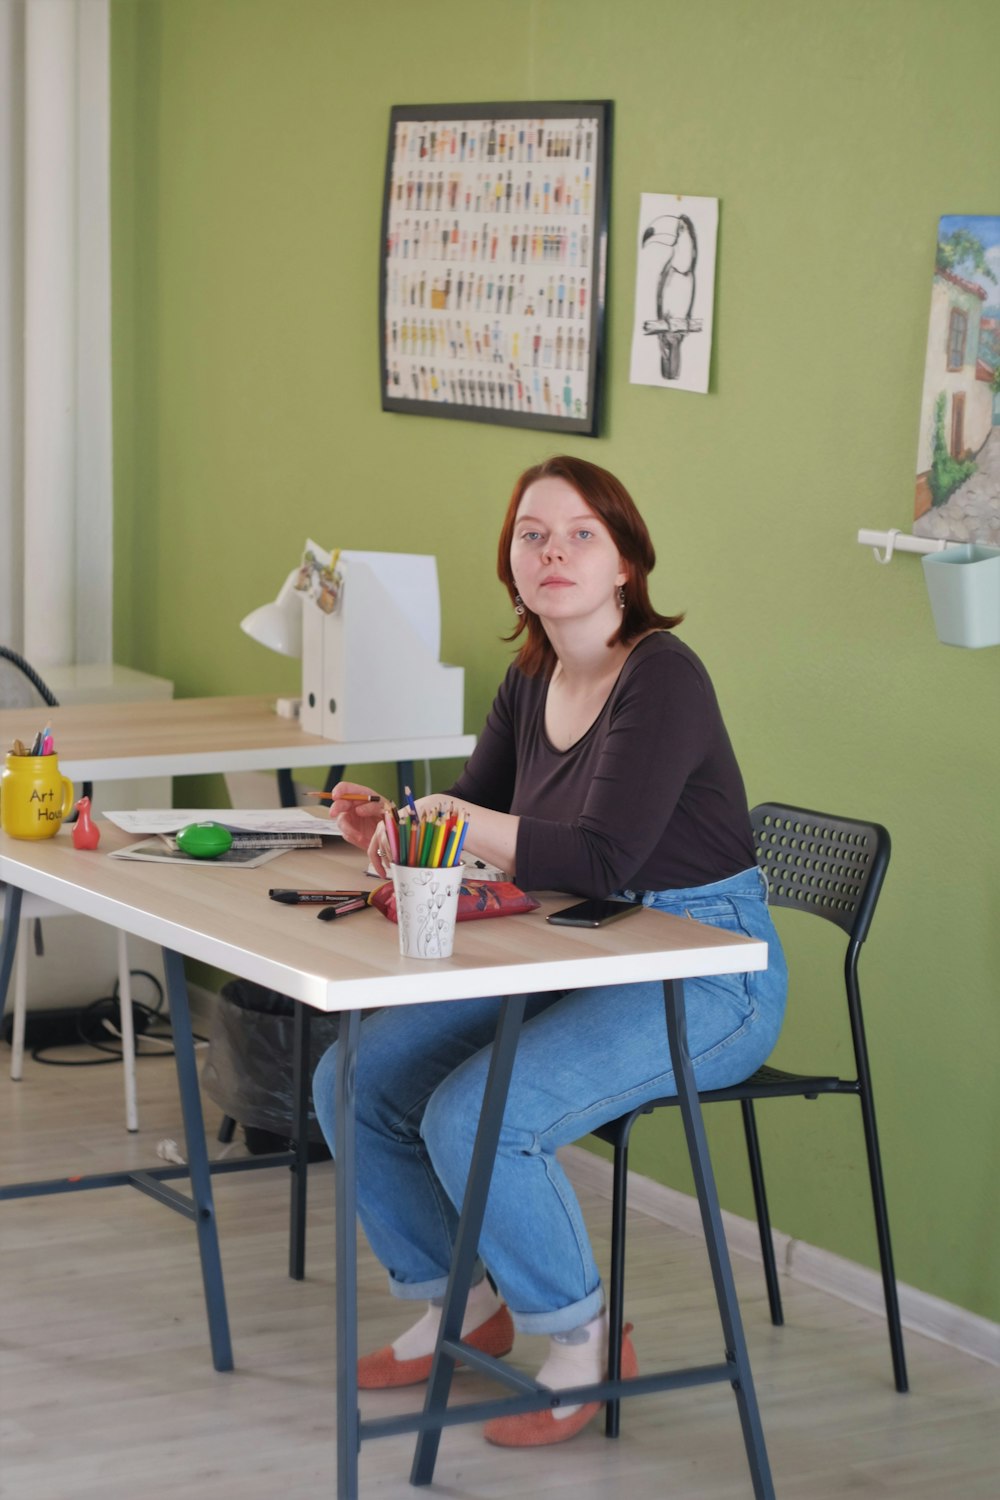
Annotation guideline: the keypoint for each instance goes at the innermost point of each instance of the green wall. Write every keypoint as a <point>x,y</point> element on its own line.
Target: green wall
<point>248,149</point>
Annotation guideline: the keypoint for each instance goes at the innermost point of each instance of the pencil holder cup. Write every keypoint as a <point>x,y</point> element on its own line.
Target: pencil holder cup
<point>426,908</point>
<point>964,588</point>
<point>34,797</point>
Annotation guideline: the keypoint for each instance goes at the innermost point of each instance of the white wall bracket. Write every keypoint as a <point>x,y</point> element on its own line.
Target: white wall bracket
<point>895,540</point>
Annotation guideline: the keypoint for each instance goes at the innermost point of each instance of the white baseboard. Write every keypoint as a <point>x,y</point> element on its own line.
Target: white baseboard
<point>860,1285</point>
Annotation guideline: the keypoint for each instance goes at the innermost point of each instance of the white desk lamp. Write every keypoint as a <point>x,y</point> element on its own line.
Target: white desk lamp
<point>278,625</point>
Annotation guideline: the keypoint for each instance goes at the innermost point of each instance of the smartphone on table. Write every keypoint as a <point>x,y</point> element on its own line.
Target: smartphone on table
<point>593,913</point>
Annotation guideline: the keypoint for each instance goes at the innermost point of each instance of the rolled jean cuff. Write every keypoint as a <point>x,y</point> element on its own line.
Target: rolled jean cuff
<point>563,1319</point>
<point>425,1291</point>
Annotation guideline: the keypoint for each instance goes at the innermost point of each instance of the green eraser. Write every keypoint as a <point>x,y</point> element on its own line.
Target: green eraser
<point>204,840</point>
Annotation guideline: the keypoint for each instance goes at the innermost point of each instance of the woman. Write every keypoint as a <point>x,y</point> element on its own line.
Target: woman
<point>604,769</point>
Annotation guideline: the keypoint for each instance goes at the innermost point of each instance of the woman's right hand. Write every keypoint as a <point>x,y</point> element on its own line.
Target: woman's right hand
<point>357,819</point>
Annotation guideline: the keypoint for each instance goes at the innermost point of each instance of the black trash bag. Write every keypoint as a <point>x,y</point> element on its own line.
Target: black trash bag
<point>248,1070</point>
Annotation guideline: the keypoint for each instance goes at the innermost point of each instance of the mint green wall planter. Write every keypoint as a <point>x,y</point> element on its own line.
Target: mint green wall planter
<point>964,588</point>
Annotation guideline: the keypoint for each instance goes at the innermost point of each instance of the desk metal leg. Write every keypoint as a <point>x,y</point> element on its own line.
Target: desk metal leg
<point>404,778</point>
<point>286,784</point>
<point>300,1144</point>
<point>197,1156</point>
<point>8,943</point>
<point>345,1178</point>
<point>469,1225</point>
<point>715,1239</point>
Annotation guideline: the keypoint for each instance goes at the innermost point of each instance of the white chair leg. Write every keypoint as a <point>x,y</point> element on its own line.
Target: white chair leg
<point>128,1033</point>
<point>20,1002</point>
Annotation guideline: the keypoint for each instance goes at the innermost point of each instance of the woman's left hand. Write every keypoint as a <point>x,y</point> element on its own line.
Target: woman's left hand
<point>378,851</point>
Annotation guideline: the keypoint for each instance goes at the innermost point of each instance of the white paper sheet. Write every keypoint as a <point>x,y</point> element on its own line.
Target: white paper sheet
<point>272,820</point>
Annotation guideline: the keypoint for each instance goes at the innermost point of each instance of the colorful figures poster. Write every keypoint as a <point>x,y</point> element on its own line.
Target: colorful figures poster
<point>958,454</point>
<point>674,291</point>
<point>494,256</point>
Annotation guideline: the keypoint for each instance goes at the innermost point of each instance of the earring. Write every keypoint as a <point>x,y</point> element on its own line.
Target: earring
<point>518,605</point>
<point>621,596</point>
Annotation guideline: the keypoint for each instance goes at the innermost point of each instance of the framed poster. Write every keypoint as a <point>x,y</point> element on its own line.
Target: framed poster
<point>958,455</point>
<point>494,263</point>
<point>674,291</point>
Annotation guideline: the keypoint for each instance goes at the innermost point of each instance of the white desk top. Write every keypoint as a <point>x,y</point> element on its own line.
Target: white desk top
<point>222,915</point>
<point>193,736</point>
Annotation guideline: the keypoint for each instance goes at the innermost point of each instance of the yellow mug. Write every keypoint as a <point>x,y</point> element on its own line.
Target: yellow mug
<point>34,797</point>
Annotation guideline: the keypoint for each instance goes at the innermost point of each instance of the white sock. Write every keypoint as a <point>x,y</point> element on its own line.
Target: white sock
<point>421,1339</point>
<point>577,1357</point>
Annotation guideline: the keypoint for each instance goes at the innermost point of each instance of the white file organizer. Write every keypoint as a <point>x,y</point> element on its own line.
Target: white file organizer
<point>370,670</point>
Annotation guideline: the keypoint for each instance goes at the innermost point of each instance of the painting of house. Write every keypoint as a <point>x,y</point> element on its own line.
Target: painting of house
<point>958,456</point>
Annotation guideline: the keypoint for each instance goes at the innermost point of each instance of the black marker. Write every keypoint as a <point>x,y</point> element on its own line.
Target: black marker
<point>323,898</point>
<point>330,912</point>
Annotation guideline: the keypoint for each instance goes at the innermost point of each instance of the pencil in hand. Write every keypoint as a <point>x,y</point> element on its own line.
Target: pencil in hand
<point>345,796</point>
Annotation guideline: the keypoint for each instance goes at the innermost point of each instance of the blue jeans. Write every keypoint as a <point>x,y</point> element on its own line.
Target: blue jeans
<point>585,1056</point>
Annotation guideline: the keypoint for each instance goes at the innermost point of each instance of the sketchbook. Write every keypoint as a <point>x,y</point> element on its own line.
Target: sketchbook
<point>247,856</point>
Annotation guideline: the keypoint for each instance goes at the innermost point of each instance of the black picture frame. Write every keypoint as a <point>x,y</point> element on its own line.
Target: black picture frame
<point>494,260</point>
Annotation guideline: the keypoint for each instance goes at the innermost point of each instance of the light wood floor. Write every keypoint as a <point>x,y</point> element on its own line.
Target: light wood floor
<point>106,1388</point>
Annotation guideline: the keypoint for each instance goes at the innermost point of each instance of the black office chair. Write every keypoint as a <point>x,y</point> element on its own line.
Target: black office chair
<point>827,867</point>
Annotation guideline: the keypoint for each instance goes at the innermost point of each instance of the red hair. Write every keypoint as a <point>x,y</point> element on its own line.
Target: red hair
<point>611,502</point>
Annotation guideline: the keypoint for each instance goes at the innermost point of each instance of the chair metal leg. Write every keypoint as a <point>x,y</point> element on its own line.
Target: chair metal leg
<point>715,1240</point>
<point>227,1129</point>
<point>876,1178</point>
<point>763,1213</point>
<point>616,1299</point>
<point>884,1243</point>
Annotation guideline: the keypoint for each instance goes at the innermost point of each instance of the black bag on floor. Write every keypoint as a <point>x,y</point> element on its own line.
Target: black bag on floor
<point>248,1070</point>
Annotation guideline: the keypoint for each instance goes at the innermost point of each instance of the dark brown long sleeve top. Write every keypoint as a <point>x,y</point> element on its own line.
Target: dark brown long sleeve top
<point>650,798</point>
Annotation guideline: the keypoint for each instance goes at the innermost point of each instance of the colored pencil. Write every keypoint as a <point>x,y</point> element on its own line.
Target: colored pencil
<point>458,852</point>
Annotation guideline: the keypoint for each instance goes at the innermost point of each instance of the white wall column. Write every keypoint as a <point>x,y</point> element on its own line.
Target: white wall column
<point>50,333</point>
<point>60,236</point>
<point>11,320</point>
<point>94,469</point>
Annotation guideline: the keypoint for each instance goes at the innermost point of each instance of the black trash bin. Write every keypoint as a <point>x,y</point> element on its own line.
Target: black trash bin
<point>248,1070</point>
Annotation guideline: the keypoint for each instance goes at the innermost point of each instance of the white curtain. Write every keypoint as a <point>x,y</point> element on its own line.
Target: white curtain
<point>55,331</point>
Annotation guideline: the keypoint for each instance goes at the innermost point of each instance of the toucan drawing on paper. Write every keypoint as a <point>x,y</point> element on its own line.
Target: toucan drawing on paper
<point>675,289</point>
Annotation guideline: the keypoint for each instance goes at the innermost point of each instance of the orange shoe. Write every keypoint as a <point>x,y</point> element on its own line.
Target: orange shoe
<point>538,1429</point>
<point>381,1370</point>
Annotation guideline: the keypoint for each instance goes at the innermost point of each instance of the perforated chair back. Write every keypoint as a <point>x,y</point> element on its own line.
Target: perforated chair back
<point>831,867</point>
